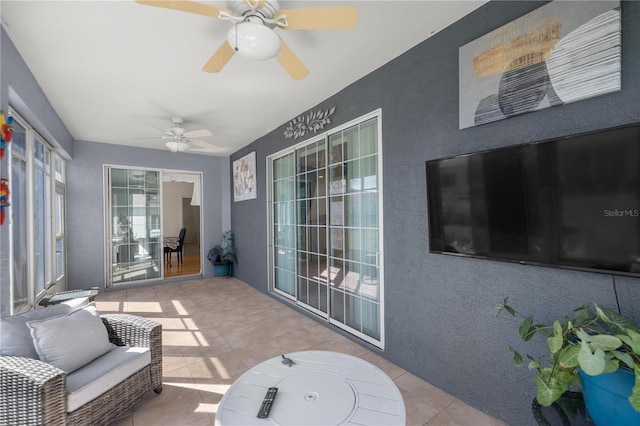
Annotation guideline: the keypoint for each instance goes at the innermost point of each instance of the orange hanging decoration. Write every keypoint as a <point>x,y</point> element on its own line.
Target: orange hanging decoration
<point>4,198</point>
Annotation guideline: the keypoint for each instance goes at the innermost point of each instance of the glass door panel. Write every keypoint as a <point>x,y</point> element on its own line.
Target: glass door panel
<point>135,245</point>
<point>354,229</point>
<point>284,228</point>
<point>19,220</point>
<point>59,229</point>
<point>42,218</point>
<point>312,275</point>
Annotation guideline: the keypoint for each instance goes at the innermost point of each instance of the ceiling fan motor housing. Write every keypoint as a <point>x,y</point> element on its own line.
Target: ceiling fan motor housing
<point>242,8</point>
<point>177,131</point>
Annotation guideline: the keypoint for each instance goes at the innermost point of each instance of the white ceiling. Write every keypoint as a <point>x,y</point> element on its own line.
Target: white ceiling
<point>117,71</point>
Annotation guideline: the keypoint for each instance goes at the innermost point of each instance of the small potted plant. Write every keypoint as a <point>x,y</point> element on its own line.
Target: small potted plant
<point>223,255</point>
<point>596,348</point>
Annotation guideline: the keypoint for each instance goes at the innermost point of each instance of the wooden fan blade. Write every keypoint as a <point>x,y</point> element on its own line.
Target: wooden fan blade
<point>186,6</point>
<point>197,133</point>
<point>291,63</point>
<point>220,58</point>
<point>319,18</point>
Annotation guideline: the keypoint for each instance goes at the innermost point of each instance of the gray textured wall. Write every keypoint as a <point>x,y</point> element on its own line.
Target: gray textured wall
<point>438,316</point>
<point>19,88</point>
<point>85,206</point>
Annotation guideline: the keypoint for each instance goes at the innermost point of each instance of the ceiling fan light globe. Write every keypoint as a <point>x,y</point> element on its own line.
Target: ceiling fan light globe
<point>177,146</point>
<point>254,41</point>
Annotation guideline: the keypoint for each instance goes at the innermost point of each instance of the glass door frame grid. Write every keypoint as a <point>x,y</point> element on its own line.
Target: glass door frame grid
<point>270,217</point>
<point>270,246</point>
<point>108,254</point>
<point>324,137</point>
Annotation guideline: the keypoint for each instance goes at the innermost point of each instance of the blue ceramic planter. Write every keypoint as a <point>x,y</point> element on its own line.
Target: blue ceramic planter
<point>222,270</point>
<point>606,397</point>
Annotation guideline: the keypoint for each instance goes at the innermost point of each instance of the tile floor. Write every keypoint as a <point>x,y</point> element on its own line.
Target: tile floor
<point>215,329</point>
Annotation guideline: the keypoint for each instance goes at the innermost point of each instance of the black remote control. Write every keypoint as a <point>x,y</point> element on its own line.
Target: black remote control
<point>263,413</point>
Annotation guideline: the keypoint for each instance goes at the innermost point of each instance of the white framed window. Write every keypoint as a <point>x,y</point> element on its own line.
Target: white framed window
<point>36,217</point>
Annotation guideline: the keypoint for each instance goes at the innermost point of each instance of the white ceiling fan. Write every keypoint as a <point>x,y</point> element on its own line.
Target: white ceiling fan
<point>253,35</point>
<point>181,139</point>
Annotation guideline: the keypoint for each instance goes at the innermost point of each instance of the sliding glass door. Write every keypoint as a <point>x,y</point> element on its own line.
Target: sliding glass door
<point>134,231</point>
<point>324,206</point>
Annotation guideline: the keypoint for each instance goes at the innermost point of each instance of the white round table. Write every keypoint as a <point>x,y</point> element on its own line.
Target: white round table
<point>320,388</point>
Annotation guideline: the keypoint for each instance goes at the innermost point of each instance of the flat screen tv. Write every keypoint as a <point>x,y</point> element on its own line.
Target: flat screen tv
<point>572,203</point>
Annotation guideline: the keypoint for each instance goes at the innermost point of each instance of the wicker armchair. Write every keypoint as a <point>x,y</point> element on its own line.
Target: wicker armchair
<point>33,392</point>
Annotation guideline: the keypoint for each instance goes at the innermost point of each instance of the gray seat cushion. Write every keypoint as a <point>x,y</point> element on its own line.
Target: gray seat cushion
<point>15,336</point>
<point>100,375</point>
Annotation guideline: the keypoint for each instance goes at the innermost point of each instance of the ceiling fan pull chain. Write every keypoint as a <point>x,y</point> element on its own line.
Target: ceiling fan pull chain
<point>235,27</point>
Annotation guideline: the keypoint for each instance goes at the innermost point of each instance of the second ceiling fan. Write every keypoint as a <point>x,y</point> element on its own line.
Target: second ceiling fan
<point>180,139</point>
<point>253,33</point>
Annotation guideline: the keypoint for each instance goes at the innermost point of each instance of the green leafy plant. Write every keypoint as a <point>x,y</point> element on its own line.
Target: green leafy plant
<point>595,339</point>
<point>225,252</point>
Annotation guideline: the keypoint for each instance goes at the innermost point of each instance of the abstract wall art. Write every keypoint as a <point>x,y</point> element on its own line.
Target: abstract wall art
<point>563,52</point>
<point>244,177</point>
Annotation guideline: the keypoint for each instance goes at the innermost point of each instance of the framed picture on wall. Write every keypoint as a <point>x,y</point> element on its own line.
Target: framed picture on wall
<point>244,178</point>
<point>560,53</point>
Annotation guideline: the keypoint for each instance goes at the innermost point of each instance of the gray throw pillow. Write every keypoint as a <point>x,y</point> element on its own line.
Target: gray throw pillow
<point>15,336</point>
<point>71,341</point>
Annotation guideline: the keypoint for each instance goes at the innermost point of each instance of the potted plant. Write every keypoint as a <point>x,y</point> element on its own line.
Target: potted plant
<point>596,348</point>
<point>223,255</point>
